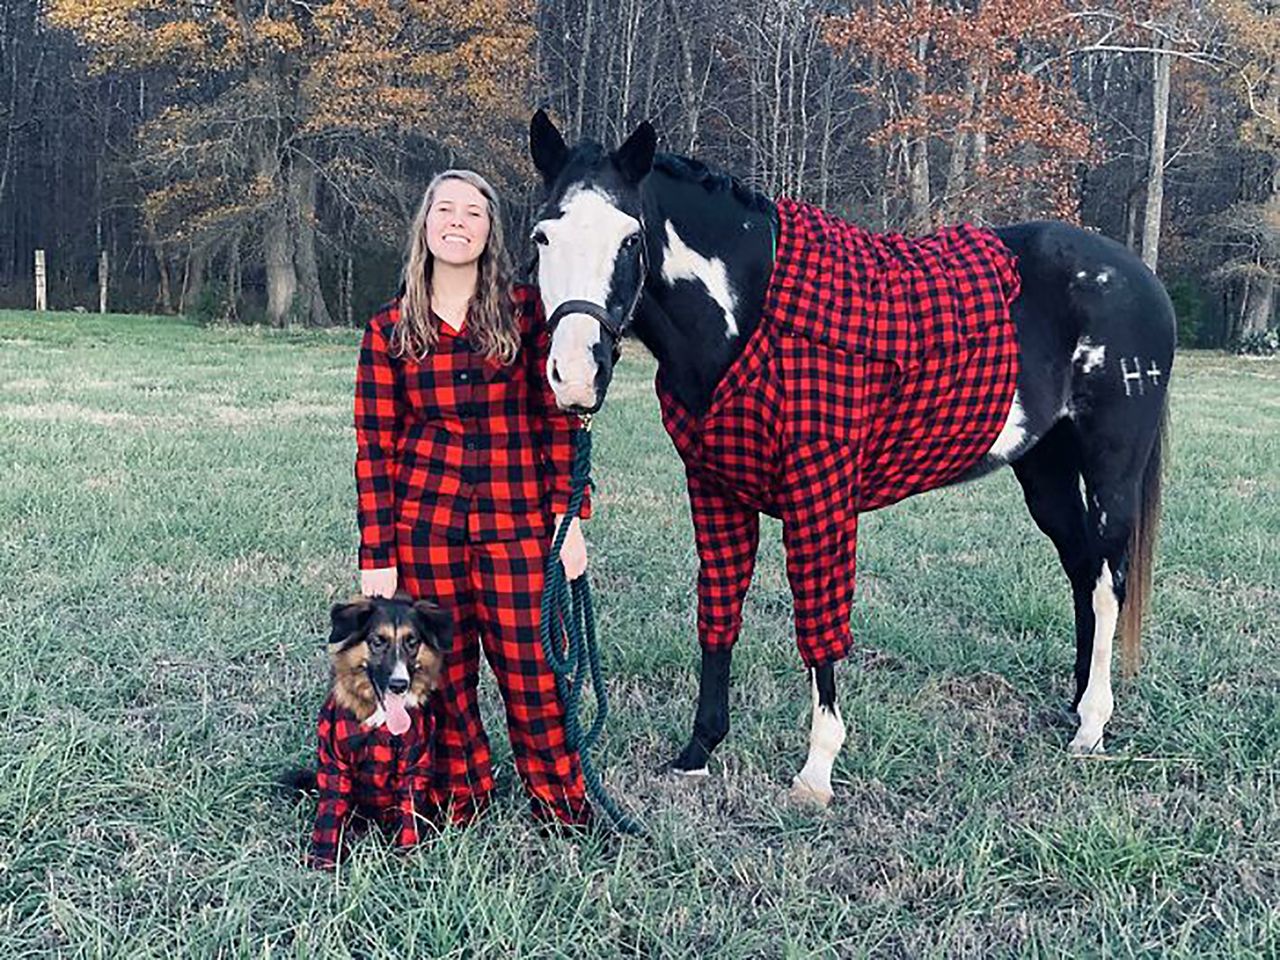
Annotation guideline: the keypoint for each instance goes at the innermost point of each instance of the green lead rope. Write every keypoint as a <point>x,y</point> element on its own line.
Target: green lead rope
<point>566,604</point>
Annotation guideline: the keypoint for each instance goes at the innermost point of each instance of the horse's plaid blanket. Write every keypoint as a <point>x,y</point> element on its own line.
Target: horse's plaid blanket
<point>882,366</point>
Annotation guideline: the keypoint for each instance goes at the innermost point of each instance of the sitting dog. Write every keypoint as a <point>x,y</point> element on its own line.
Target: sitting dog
<point>375,734</point>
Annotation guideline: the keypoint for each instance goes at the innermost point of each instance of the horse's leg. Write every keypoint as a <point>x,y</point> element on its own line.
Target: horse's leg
<point>1050,476</point>
<point>711,721</point>
<point>1122,450</point>
<point>826,736</point>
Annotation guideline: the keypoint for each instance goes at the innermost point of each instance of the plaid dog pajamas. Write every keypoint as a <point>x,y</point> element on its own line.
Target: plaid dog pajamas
<point>882,366</point>
<point>461,464</point>
<point>382,777</point>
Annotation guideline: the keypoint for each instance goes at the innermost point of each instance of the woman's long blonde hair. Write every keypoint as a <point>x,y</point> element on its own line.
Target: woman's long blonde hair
<point>491,327</point>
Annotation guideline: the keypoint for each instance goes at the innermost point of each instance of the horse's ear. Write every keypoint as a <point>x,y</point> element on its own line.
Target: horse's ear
<point>546,146</point>
<point>635,157</point>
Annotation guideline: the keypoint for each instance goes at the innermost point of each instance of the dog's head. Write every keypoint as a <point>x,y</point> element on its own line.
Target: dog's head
<point>387,653</point>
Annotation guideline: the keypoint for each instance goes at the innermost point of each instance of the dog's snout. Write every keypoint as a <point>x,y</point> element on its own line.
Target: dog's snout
<point>398,685</point>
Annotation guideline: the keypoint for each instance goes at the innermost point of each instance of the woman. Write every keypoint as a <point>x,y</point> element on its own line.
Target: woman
<point>462,461</point>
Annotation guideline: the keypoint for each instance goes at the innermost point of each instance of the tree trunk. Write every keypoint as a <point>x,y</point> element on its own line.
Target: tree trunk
<point>957,169</point>
<point>1155,169</point>
<point>583,60</point>
<point>918,156</point>
<point>231,309</point>
<point>192,281</point>
<point>1260,306</point>
<point>311,305</point>
<point>277,253</point>
<point>164,294</point>
<point>687,87</point>
<point>348,282</point>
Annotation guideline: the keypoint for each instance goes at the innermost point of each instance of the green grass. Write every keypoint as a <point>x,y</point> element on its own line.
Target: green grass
<point>176,514</point>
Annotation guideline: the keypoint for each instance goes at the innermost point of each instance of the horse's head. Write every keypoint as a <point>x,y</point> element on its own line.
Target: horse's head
<point>591,255</point>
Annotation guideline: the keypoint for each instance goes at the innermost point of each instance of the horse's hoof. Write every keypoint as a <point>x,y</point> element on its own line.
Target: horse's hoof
<point>669,769</point>
<point>1086,746</point>
<point>806,795</point>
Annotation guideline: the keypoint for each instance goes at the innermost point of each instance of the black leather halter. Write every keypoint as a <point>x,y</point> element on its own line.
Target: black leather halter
<point>599,313</point>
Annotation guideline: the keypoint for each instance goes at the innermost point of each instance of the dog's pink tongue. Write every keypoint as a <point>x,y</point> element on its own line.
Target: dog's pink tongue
<point>397,715</point>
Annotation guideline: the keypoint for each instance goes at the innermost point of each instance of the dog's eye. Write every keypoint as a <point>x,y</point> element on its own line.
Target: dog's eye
<point>377,643</point>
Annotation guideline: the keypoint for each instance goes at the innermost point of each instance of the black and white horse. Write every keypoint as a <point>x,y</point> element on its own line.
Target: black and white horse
<point>661,246</point>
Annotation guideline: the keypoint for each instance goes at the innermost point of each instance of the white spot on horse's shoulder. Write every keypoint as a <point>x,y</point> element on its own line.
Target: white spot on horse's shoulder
<point>1013,434</point>
<point>1088,356</point>
<point>1082,274</point>
<point>682,262</point>
<point>1104,275</point>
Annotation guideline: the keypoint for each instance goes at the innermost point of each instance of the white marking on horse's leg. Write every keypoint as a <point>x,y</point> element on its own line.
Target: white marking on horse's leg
<point>702,773</point>
<point>1097,703</point>
<point>681,262</point>
<point>1013,434</point>
<point>826,736</point>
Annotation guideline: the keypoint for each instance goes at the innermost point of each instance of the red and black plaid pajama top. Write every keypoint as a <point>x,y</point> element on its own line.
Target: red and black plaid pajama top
<point>882,366</point>
<point>461,463</point>
<point>369,771</point>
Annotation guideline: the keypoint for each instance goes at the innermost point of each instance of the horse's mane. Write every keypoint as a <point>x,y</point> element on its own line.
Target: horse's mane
<point>695,171</point>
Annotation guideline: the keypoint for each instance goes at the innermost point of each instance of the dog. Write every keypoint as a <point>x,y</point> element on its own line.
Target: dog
<point>374,733</point>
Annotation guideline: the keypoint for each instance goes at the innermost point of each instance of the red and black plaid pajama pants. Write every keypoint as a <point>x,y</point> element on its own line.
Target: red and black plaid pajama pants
<point>494,589</point>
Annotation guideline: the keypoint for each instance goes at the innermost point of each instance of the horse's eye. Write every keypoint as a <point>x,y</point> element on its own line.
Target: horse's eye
<point>631,241</point>
<point>539,238</point>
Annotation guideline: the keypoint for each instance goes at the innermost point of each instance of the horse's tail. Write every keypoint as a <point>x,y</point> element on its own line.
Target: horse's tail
<point>1142,545</point>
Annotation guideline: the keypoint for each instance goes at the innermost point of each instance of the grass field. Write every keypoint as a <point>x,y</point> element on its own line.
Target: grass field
<point>176,514</point>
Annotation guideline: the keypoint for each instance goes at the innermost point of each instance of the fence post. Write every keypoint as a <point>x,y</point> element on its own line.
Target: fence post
<point>42,299</point>
<point>102,281</point>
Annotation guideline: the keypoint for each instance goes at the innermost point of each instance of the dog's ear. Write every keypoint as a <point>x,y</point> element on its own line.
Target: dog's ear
<point>347,622</point>
<point>434,624</point>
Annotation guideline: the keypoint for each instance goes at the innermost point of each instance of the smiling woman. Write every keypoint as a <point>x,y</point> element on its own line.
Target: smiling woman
<point>462,467</point>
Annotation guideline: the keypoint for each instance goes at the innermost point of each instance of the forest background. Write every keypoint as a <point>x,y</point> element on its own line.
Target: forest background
<point>257,161</point>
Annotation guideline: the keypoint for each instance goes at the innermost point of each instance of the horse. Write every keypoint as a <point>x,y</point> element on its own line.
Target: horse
<point>1075,361</point>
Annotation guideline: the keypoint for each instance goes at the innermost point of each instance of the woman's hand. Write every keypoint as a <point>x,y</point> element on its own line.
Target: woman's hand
<point>379,583</point>
<point>573,552</point>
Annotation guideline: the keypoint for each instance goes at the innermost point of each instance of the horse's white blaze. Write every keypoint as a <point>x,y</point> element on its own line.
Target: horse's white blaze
<point>579,269</point>
<point>1097,703</point>
<point>681,262</point>
<point>1088,356</point>
<point>1013,435</point>
<point>826,737</point>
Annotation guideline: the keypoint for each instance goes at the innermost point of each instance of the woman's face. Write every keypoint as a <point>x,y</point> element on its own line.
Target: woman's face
<point>457,223</point>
